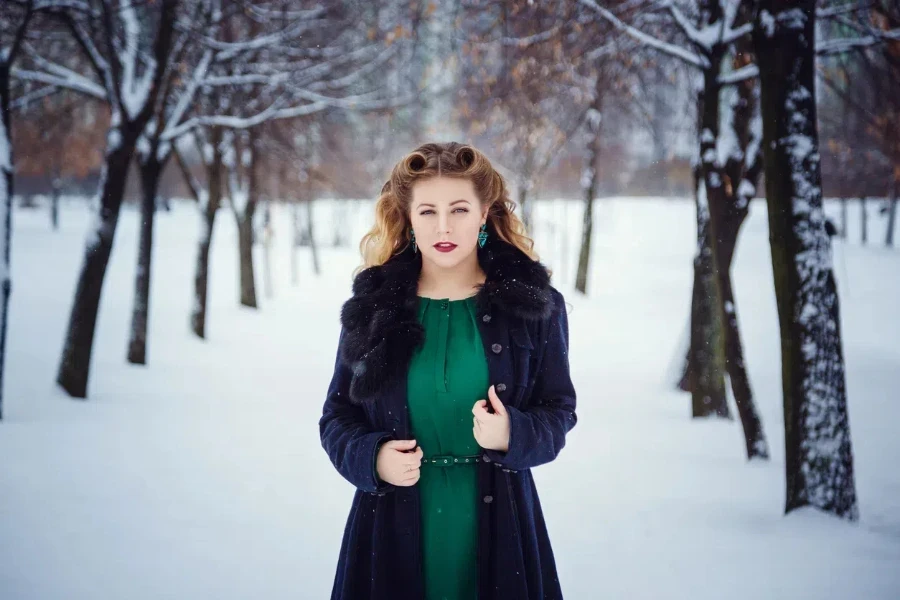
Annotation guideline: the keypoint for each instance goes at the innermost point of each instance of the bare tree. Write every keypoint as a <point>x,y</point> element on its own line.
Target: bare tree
<point>208,197</point>
<point>520,89</point>
<point>15,19</point>
<point>60,137</point>
<point>13,24</point>
<point>726,171</point>
<point>861,69</point>
<point>128,48</point>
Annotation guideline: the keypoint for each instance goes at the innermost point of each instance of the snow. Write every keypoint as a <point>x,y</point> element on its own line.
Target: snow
<point>768,22</point>
<point>134,90</point>
<point>745,190</point>
<point>727,145</point>
<point>201,474</point>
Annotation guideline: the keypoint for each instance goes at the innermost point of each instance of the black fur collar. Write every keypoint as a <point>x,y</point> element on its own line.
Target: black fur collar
<point>381,327</point>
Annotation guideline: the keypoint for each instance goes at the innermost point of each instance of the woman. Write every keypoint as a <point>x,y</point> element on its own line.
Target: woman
<point>451,382</point>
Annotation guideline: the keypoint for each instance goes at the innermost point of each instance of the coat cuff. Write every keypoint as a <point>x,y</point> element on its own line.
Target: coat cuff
<point>380,485</point>
<point>533,440</point>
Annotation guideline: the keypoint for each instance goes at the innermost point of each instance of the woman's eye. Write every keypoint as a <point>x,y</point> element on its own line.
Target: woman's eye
<point>425,212</point>
<point>465,210</point>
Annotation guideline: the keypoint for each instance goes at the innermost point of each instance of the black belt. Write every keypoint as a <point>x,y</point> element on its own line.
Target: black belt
<point>448,460</point>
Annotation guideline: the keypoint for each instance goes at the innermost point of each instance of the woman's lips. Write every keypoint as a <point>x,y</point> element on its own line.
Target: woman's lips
<point>444,247</point>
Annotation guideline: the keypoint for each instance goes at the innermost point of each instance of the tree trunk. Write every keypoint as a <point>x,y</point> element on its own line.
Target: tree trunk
<point>708,396</point>
<point>892,216</point>
<point>864,220</point>
<point>312,238</point>
<point>150,169</point>
<point>843,218</point>
<point>754,436</point>
<point>75,361</point>
<point>267,249</point>
<point>209,207</point>
<point>6,208</point>
<point>242,165</point>
<point>245,253</point>
<point>522,194</point>
<point>589,190</point>
<point>742,172</point>
<point>295,227</point>
<point>707,372</point>
<point>818,454</point>
<point>54,206</point>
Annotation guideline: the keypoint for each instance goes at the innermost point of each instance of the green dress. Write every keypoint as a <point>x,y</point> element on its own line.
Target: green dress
<point>447,375</point>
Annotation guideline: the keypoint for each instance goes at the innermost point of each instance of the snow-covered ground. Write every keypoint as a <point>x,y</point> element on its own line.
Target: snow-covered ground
<point>201,475</point>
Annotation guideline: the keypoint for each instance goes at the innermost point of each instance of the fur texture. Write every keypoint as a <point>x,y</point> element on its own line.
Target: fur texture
<point>380,325</point>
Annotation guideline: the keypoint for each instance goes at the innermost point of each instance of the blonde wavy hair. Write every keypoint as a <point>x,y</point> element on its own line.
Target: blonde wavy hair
<point>390,234</point>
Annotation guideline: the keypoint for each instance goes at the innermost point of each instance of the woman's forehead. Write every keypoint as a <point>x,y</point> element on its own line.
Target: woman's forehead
<point>443,190</point>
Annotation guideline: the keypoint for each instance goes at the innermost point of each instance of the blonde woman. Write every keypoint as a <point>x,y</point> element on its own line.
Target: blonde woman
<point>451,383</point>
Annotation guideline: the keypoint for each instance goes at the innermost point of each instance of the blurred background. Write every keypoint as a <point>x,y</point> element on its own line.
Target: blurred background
<point>714,183</point>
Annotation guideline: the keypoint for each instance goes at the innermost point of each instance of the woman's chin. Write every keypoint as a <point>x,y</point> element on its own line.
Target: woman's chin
<point>447,260</point>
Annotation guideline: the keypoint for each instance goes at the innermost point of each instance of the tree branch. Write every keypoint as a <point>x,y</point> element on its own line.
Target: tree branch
<point>80,85</point>
<point>692,59</point>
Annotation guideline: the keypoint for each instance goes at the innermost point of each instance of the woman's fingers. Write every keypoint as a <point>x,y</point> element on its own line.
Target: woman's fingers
<point>411,479</point>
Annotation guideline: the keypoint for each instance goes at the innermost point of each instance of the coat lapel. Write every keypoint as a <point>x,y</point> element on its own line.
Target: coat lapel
<point>381,328</point>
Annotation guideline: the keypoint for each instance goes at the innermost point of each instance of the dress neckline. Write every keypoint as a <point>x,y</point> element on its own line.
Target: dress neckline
<point>427,299</point>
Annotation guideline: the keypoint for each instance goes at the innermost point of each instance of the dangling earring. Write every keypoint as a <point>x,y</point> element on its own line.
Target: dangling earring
<point>482,235</point>
<point>412,236</point>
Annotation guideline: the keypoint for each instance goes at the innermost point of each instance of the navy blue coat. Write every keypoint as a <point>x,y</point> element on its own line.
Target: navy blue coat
<point>523,323</point>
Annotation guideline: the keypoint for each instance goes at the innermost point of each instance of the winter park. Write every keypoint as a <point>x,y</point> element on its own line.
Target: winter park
<point>232,356</point>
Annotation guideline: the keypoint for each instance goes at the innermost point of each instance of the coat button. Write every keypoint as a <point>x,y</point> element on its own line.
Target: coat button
<point>496,348</point>
<point>488,499</point>
<point>500,387</point>
<point>486,318</point>
<point>486,458</point>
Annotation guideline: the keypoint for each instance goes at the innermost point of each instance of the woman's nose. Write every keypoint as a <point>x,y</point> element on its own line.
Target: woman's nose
<point>443,224</point>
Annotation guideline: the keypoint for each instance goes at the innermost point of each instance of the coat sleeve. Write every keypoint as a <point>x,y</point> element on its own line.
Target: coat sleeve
<point>538,431</point>
<point>347,435</point>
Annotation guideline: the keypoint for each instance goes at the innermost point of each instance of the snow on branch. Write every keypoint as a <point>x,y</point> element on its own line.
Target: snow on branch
<point>673,50</point>
<point>24,100</point>
<point>134,90</point>
<point>720,32</point>
<point>76,84</point>
<point>226,51</point>
<point>843,9</point>
<point>737,76</point>
<point>844,45</point>
<point>520,42</point>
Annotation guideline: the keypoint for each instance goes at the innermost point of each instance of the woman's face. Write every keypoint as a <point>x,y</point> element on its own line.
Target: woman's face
<point>446,216</point>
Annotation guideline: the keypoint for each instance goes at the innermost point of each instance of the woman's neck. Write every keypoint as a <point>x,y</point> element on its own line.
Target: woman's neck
<point>454,283</point>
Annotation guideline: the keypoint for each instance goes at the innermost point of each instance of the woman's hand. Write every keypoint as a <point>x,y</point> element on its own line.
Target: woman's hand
<point>395,463</point>
<point>491,429</point>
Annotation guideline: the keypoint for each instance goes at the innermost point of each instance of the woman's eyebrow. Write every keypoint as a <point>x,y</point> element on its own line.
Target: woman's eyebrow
<point>421,204</point>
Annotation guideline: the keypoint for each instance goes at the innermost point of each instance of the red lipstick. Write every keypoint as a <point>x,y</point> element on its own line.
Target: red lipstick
<point>445,246</point>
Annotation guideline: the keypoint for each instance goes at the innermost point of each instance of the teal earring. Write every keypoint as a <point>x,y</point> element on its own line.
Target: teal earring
<point>482,236</point>
<point>412,236</point>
